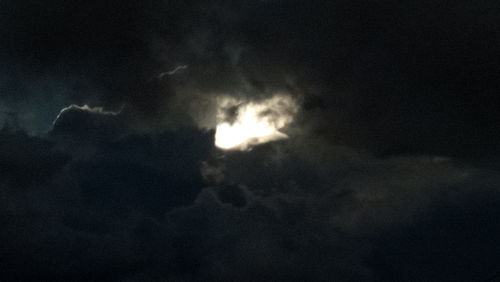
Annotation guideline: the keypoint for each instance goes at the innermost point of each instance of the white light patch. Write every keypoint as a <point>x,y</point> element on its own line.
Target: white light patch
<point>98,110</point>
<point>242,125</point>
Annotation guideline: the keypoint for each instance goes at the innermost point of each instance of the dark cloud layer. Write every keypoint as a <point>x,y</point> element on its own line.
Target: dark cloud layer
<point>168,207</point>
<point>392,77</point>
<point>390,174</point>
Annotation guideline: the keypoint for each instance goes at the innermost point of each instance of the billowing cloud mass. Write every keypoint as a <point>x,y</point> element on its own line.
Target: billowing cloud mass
<point>249,140</point>
<point>242,124</point>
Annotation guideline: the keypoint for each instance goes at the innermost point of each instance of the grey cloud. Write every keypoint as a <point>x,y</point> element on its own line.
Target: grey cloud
<point>172,72</point>
<point>383,178</point>
<point>144,207</point>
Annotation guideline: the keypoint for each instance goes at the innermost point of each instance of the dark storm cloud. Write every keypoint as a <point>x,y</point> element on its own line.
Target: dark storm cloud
<point>143,207</point>
<point>371,186</point>
<point>82,123</point>
<point>76,199</point>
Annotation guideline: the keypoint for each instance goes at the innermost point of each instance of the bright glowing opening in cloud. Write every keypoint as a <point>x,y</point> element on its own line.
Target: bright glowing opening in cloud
<point>242,125</point>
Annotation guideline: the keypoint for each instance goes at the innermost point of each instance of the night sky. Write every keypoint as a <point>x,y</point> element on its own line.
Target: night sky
<point>384,167</point>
